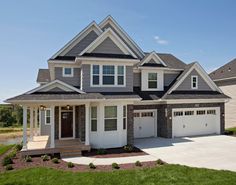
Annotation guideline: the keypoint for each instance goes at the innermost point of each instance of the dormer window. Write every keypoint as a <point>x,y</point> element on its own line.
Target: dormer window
<point>68,72</point>
<point>152,80</point>
<point>194,82</point>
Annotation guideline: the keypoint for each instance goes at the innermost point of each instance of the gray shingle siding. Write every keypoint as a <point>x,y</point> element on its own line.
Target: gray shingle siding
<point>86,81</point>
<point>74,81</point>
<point>186,84</point>
<point>169,78</point>
<point>78,48</point>
<point>137,79</point>
<point>107,47</point>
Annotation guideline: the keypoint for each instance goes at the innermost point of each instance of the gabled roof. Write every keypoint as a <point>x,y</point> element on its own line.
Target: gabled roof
<point>55,84</point>
<point>227,71</point>
<point>92,26</point>
<point>109,20</point>
<point>43,76</point>
<point>154,57</point>
<point>109,33</point>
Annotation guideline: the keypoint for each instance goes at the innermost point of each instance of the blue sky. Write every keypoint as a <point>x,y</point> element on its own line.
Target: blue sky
<point>32,31</point>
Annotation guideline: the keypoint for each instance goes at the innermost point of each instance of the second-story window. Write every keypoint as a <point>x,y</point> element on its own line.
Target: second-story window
<point>68,72</point>
<point>108,77</point>
<point>194,82</point>
<point>96,74</point>
<point>152,80</point>
<point>120,75</point>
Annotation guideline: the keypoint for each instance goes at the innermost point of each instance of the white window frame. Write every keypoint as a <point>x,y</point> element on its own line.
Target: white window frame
<point>124,117</point>
<point>50,114</point>
<point>192,77</point>
<point>101,76</point>
<point>111,118</point>
<point>94,119</point>
<point>152,80</point>
<point>68,75</point>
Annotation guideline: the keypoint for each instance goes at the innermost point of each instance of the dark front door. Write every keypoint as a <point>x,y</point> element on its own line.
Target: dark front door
<point>66,124</point>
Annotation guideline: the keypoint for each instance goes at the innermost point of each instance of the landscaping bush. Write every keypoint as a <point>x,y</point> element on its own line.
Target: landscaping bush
<point>45,157</point>
<point>138,163</point>
<point>115,166</point>
<point>92,166</point>
<point>55,160</point>
<point>160,162</point>
<point>12,154</point>
<point>70,165</point>
<point>7,160</point>
<point>101,151</point>
<point>28,159</point>
<point>8,167</point>
<point>129,148</point>
<point>18,147</point>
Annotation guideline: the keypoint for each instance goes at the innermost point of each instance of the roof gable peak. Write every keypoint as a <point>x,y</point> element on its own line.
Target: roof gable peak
<point>153,55</point>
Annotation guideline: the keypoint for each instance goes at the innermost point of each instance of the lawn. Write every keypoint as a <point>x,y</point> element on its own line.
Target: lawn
<point>4,130</point>
<point>233,129</point>
<point>5,148</point>
<point>167,174</point>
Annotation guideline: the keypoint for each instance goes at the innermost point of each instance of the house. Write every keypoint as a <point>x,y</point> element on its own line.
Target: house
<point>102,90</point>
<point>225,78</point>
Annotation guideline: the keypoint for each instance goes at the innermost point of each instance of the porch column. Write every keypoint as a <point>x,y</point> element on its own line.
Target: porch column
<point>87,118</point>
<point>36,121</point>
<point>24,127</point>
<point>40,121</point>
<point>52,120</point>
<point>31,123</point>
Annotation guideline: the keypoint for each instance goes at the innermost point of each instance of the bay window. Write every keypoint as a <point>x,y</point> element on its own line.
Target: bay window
<point>110,118</point>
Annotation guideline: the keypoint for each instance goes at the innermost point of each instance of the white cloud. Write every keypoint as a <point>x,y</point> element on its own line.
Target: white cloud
<point>161,41</point>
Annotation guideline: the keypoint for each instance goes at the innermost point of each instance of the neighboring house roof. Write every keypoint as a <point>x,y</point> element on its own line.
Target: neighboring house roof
<point>43,76</point>
<point>225,72</point>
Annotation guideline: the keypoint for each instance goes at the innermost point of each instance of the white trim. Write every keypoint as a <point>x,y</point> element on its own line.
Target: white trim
<point>52,120</point>
<point>93,25</point>
<point>73,117</point>
<point>192,77</point>
<point>45,116</point>
<point>68,75</point>
<point>53,82</point>
<point>61,62</point>
<point>153,55</point>
<point>222,79</point>
<point>88,60</point>
<point>112,35</point>
<point>121,31</point>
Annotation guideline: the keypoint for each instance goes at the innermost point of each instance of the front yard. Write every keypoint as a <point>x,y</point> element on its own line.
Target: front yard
<point>167,174</point>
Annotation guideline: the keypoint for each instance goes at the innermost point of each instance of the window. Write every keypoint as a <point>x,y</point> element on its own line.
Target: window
<point>47,116</point>
<point>147,114</point>
<point>152,80</point>
<point>120,75</point>
<point>110,118</point>
<point>136,114</point>
<point>95,75</point>
<point>108,77</point>
<point>124,117</point>
<point>201,112</point>
<point>68,72</point>
<point>93,119</point>
<point>178,113</point>
<point>213,112</point>
<point>194,82</point>
<point>189,113</point>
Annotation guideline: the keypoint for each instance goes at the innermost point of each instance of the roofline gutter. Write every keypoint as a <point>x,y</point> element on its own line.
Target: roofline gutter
<point>222,79</point>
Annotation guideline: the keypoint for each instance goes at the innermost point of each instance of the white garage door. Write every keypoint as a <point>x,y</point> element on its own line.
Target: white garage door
<point>145,123</point>
<point>196,121</point>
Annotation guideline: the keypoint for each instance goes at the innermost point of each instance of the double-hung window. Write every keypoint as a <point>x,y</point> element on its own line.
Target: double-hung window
<point>108,75</point>
<point>93,119</point>
<point>68,72</point>
<point>47,116</point>
<point>120,75</point>
<point>152,80</point>
<point>194,82</point>
<point>95,77</point>
<point>124,117</point>
<point>110,118</point>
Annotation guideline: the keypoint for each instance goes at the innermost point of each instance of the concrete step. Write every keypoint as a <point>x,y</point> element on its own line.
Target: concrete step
<point>70,154</point>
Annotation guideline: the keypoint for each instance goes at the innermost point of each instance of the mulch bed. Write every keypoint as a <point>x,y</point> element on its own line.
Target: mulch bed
<point>19,163</point>
<point>114,152</point>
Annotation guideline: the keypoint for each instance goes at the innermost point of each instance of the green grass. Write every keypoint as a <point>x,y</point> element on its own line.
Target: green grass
<point>167,174</point>
<point>231,129</point>
<point>9,129</point>
<point>5,148</point>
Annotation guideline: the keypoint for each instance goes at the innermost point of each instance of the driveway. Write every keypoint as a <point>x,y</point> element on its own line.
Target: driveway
<point>216,152</point>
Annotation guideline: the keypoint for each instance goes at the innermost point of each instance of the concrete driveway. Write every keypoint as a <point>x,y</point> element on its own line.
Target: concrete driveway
<point>216,152</point>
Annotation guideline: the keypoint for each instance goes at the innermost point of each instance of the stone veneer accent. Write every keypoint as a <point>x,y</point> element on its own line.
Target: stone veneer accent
<point>56,122</point>
<point>81,122</point>
<point>130,124</point>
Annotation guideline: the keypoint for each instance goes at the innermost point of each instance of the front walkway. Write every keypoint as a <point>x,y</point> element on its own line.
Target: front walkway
<point>216,152</point>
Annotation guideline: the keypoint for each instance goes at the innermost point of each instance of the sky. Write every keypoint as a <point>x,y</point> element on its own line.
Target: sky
<point>32,31</point>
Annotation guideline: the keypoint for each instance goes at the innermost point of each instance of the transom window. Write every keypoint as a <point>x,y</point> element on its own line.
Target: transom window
<point>93,119</point>
<point>178,113</point>
<point>147,114</point>
<point>47,116</point>
<point>152,80</point>
<point>107,75</point>
<point>201,112</point>
<point>189,113</point>
<point>110,118</point>
<point>68,72</point>
<point>213,112</point>
<point>194,82</point>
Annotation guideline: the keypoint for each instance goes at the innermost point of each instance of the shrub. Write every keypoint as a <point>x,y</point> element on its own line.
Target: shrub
<point>129,148</point>
<point>18,147</point>
<point>8,167</point>
<point>7,160</point>
<point>12,154</point>
<point>70,165</point>
<point>45,157</point>
<point>160,162</point>
<point>28,159</point>
<point>55,160</point>
<point>92,166</point>
<point>115,166</point>
<point>138,163</point>
<point>101,151</point>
